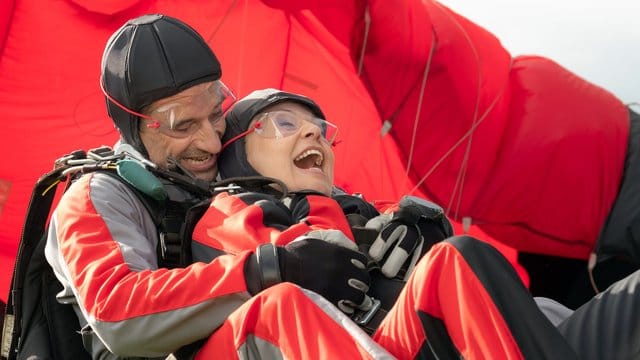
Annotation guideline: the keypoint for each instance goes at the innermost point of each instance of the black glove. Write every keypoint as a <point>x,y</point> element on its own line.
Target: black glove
<point>357,210</point>
<point>407,235</point>
<point>333,271</point>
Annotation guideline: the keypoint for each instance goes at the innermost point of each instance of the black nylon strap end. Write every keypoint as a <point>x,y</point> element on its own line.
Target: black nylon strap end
<point>267,256</point>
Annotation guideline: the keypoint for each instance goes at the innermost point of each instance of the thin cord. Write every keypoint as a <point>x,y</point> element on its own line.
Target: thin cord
<point>367,25</point>
<point>420,100</point>
<point>469,134</point>
<point>462,138</point>
<point>365,41</point>
<point>459,184</point>
<point>224,18</point>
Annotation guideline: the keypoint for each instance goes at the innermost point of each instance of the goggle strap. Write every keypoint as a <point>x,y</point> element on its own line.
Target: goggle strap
<point>242,134</point>
<point>115,102</point>
<point>258,124</point>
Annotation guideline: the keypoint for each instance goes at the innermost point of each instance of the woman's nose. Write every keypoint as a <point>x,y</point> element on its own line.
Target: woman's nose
<point>311,130</point>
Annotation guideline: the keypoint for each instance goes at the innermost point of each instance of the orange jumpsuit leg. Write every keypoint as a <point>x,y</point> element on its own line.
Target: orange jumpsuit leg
<point>464,299</point>
<point>286,321</point>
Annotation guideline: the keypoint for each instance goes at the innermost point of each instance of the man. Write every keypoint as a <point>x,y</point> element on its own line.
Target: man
<point>164,94</point>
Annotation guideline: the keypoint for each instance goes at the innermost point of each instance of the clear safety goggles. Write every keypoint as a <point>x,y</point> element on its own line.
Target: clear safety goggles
<point>283,123</point>
<point>185,116</point>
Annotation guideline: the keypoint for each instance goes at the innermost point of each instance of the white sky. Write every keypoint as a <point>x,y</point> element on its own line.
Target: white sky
<point>596,39</point>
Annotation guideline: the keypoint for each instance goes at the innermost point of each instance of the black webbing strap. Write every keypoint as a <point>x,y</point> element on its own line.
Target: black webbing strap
<point>34,227</point>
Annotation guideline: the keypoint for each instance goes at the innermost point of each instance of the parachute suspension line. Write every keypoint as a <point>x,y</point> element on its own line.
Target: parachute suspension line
<point>465,161</point>
<point>459,185</point>
<point>469,133</point>
<point>367,25</point>
<point>423,85</point>
<point>224,18</point>
<point>287,50</point>
<point>462,138</point>
<point>458,188</point>
<point>454,146</point>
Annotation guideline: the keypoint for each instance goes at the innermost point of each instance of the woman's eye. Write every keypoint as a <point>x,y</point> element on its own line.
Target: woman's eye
<point>286,124</point>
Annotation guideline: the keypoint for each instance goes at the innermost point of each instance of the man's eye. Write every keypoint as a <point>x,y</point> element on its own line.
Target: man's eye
<point>184,127</point>
<point>215,117</point>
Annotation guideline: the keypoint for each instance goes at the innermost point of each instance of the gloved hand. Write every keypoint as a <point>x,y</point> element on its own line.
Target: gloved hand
<point>356,209</point>
<point>407,234</point>
<point>335,271</point>
<point>332,236</point>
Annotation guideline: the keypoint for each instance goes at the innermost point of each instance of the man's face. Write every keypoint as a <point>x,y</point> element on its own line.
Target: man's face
<point>187,127</point>
<point>303,160</point>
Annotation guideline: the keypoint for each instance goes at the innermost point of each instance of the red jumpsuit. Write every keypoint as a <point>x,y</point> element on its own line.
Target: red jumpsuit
<point>463,298</point>
<point>102,248</point>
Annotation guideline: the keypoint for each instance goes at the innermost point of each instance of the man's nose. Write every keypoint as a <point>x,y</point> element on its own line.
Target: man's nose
<point>209,135</point>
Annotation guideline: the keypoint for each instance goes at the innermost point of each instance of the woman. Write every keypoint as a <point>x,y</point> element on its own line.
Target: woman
<point>461,299</point>
<point>284,137</point>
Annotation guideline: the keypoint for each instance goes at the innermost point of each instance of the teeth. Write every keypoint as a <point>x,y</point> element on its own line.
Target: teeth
<point>319,155</point>
<point>198,159</point>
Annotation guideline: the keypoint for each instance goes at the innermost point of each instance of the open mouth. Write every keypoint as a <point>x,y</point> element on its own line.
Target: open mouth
<point>197,163</point>
<point>197,159</point>
<point>311,158</point>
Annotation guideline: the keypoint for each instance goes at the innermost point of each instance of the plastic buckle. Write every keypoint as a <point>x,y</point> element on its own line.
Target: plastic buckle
<point>363,318</point>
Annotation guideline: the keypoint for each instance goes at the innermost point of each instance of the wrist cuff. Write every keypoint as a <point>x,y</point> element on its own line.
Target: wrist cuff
<point>268,264</point>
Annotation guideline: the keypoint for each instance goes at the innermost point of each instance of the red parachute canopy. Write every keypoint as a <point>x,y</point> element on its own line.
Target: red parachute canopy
<point>426,102</point>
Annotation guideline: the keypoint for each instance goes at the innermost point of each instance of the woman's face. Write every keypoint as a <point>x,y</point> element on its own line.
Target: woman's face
<point>303,160</point>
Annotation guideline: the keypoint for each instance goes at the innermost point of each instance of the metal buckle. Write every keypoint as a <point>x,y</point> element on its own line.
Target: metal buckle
<point>231,188</point>
<point>362,318</point>
<point>64,160</point>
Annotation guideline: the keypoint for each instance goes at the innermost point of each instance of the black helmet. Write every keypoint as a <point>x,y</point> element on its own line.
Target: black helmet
<point>149,58</point>
<point>233,160</point>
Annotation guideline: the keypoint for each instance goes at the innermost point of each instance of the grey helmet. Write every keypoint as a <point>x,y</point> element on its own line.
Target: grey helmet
<point>233,160</point>
<point>149,58</point>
